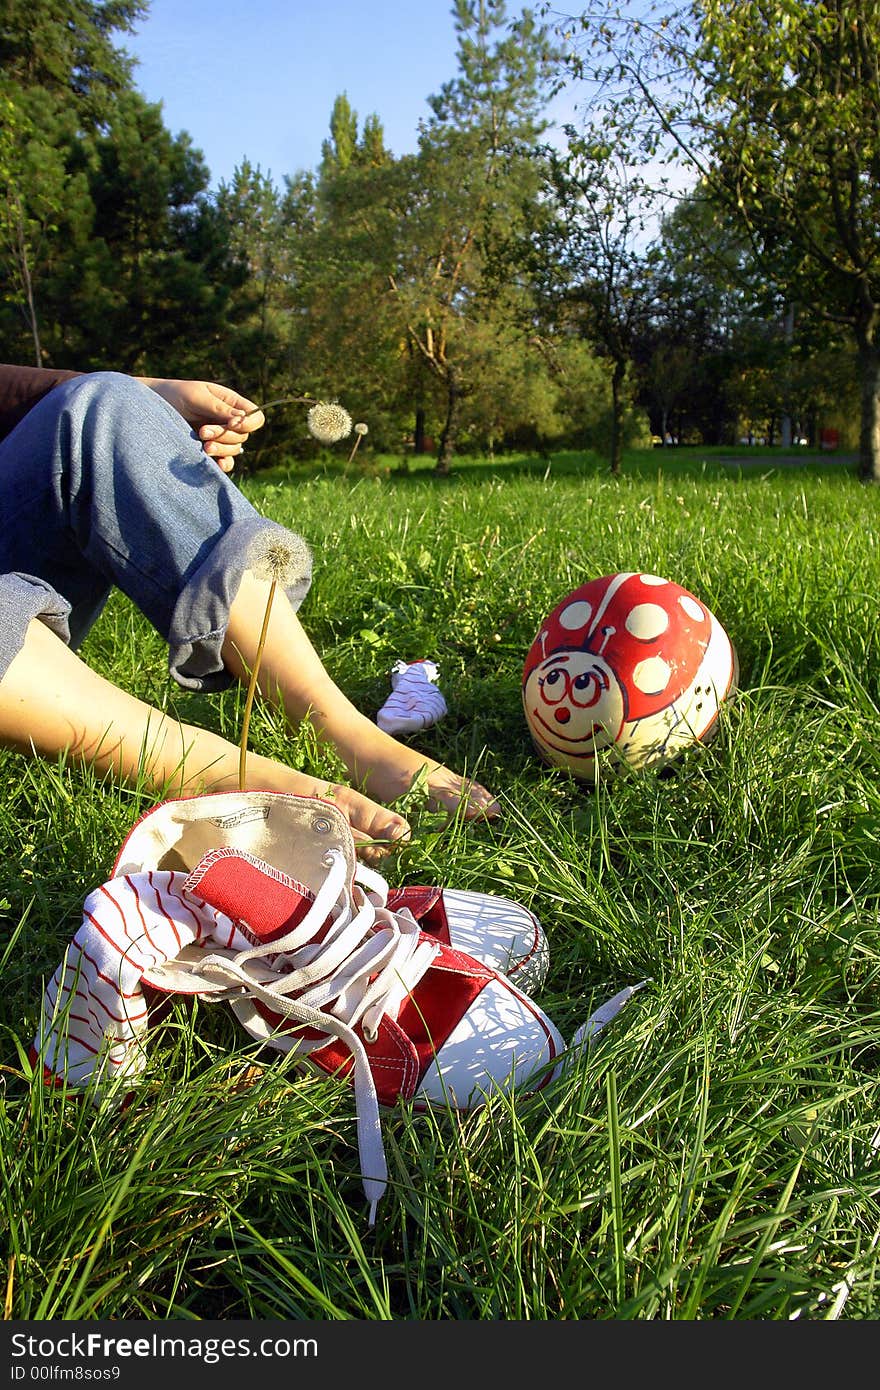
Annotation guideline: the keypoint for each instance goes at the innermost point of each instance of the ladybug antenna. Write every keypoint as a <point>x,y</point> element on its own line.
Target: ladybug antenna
<point>616,581</point>
<point>607,632</point>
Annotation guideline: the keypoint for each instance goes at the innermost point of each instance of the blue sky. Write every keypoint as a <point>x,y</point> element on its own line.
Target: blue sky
<point>257,79</point>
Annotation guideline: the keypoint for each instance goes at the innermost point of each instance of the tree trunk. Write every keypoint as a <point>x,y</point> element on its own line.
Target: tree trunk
<point>785,430</point>
<point>32,319</point>
<point>617,377</point>
<point>869,434</point>
<point>27,283</point>
<point>450,426</point>
<point>812,428</point>
<point>419,431</point>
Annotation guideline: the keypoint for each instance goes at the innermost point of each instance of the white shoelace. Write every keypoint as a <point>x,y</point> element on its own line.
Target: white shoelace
<point>367,963</point>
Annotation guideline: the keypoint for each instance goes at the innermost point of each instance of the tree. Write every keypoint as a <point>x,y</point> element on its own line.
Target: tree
<point>258,230</point>
<point>716,316</point>
<point>61,77</point>
<point>667,374</point>
<point>65,48</point>
<point>338,152</point>
<point>604,272</point>
<point>108,241</point>
<point>348,341</point>
<point>474,187</point>
<point>161,287</point>
<point>30,195</point>
<point>777,107</point>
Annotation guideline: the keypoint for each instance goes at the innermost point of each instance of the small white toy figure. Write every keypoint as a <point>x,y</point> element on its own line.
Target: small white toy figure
<point>415,701</point>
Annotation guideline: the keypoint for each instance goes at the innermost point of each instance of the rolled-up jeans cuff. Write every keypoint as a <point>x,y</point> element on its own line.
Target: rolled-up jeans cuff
<point>24,597</point>
<point>201,614</point>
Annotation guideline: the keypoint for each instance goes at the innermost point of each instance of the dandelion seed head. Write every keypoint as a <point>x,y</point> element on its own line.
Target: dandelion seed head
<point>361,429</point>
<point>279,555</point>
<point>328,422</point>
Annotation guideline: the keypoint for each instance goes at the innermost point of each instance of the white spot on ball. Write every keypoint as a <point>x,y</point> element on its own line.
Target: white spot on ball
<point>576,615</point>
<point>692,608</point>
<point>646,621</point>
<point>652,579</point>
<point>651,676</point>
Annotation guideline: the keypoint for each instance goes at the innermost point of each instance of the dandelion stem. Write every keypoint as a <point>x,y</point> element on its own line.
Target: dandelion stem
<point>282,400</point>
<point>251,690</point>
<point>360,429</point>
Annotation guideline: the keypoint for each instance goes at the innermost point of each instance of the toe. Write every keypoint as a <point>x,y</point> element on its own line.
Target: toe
<point>482,803</point>
<point>379,838</point>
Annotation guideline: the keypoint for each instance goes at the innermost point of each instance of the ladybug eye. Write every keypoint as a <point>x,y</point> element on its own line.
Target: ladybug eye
<point>553,686</point>
<point>589,687</point>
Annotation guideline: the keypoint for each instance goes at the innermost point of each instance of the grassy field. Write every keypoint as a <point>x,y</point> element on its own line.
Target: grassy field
<point>716,1155</point>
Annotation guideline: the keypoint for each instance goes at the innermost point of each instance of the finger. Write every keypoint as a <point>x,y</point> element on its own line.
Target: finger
<point>229,405</point>
<point>216,435</point>
<point>224,455</point>
<point>247,420</point>
<point>229,451</point>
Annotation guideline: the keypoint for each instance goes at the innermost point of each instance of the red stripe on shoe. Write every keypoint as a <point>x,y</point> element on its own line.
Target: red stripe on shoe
<point>161,907</point>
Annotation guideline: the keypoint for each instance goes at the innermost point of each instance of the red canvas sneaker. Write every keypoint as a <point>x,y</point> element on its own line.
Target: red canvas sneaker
<point>310,950</point>
<point>495,930</point>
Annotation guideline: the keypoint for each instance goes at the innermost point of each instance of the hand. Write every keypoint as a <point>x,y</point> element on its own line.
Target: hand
<point>222,417</point>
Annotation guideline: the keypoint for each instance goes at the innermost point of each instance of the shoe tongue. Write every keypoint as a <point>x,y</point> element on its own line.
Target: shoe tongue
<point>260,899</point>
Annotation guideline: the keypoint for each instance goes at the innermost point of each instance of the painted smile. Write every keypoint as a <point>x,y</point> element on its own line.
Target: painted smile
<point>554,739</point>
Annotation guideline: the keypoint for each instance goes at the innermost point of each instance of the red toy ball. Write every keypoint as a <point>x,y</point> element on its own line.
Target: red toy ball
<point>629,665</point>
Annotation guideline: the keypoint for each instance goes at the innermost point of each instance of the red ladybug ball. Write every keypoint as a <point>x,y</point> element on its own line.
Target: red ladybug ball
<point>629,663</point>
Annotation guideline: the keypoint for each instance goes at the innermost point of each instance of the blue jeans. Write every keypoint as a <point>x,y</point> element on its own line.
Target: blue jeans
<point>103,483</point>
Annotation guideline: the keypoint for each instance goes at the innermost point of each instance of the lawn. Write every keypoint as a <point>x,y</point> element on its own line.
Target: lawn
<point>714,1155</point>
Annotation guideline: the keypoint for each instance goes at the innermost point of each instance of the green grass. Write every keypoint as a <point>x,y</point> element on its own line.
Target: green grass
<point>715,1154</point>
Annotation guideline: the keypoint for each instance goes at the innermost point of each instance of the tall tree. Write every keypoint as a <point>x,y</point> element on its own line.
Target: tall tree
<point>257,229</point>
<point>160,293</point>
<point>777,106</point>
<point>31,189</point>
<point>716,318</point>
<point>66,49</point>
<point>338,152</point>
<point>602,266</point>
<point>475,187</point>
<point>342,256</point>
<point>108,242</point>
<point>62,74</point>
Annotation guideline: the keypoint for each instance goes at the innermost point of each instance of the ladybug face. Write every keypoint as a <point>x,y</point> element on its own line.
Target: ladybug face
<point>630,663</point>
<point>574,705</point>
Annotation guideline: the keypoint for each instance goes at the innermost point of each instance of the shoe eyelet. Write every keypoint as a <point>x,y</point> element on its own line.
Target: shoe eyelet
<point>327,860</point>
<point>321,825</point>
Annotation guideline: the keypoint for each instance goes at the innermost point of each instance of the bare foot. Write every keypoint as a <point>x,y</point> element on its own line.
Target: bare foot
<point>375,829</point>
<point>447,791</point>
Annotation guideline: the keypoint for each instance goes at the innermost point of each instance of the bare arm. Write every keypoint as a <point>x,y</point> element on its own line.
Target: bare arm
<point>51,702</point>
